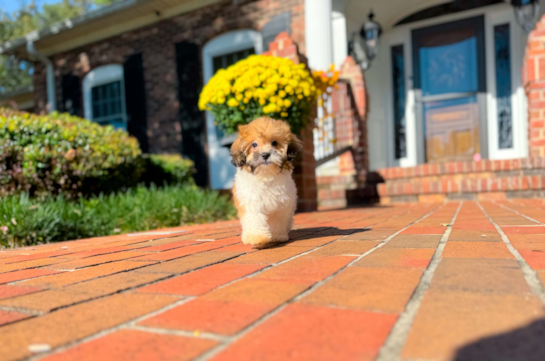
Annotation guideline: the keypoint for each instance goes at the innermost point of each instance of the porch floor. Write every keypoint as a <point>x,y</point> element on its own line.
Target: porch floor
<point>443,281</point>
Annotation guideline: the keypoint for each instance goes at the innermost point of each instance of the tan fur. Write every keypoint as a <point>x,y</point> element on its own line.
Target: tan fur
<point>264,192</point>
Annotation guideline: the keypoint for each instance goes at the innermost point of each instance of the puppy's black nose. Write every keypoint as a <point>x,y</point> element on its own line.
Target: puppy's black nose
<point>265,155</point>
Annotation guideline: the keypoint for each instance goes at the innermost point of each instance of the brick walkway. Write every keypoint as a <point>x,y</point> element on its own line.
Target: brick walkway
<point>455,281</point>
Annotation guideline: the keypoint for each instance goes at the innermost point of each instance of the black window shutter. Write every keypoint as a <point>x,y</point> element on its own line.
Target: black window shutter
<point>71,95</point>
<point>275,26</point>
<point>192,120</point>
<point>135,96</point>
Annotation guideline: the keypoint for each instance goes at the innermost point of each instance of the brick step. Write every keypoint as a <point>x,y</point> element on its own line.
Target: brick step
<point>464,180</point>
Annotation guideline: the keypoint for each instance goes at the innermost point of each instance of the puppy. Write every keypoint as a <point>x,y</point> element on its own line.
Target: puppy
<point>264,191</point>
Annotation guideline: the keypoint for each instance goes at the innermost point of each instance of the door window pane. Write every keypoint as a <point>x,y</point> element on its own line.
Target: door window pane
<point>502,52</point>
<point>398,75</point>
<point>450,67</point>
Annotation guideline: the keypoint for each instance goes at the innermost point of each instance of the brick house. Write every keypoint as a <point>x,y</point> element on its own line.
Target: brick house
<point>443,110</point>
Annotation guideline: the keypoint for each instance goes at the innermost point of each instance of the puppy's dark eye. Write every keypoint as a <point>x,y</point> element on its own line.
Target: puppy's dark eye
<point>274,143</point>
<point>254,144</point>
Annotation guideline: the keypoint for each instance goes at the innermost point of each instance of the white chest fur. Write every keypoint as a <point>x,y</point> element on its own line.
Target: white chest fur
<point>265,194</point>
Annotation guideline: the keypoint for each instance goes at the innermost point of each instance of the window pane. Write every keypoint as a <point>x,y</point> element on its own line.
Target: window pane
<point>106,102</point>
<point>502,48</point>
<point>398,75</point>
<point>218,63</point>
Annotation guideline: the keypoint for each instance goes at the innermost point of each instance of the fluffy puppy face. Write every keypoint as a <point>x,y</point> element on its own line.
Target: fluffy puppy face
<point>266,145</point>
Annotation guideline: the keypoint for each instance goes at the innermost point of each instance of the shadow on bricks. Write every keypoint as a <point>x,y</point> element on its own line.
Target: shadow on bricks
<point>522,344</point>
<point>303,234</point>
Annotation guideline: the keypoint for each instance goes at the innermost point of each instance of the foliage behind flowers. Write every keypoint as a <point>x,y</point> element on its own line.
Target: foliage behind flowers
<point>263,85</point>
<point>63,154</point>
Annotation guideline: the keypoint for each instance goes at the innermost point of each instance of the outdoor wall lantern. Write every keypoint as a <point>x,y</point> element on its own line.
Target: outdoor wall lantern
<point>527,13</point>
<point>365,48</point>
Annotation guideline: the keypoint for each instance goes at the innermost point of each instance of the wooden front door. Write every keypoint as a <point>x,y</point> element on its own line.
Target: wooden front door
<point>449,74</point>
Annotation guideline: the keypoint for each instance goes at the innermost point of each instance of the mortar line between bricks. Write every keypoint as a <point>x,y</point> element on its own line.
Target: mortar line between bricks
<point>115,252</point>
<point>221,347</point>
<point>108,331</point>
<point>256,273</point>
<point>128,270</point>
<point>133,323</point>
<point>227,340</point>
<point>391,349</point>
<point>529,274</point>
<point>184,333</point>
<point>20,310</point>
<point>517,212</point>
<point>126,290</point>
<point>79,251</point>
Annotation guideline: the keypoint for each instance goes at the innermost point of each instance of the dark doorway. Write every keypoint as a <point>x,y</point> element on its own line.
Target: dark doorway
<point>188,66</point>
<point>135,95</point>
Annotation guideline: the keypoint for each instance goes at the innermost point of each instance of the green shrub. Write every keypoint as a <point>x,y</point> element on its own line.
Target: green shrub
<point>65,155</point>
<point>62,154</point>
<point>167,168</point>
<point>28,221</point>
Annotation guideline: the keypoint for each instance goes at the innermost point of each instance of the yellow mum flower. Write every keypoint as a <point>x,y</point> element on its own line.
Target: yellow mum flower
<point>264,82</point>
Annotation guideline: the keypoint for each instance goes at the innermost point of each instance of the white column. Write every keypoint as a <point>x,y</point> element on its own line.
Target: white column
<point>340,42</point>
<point>318,34</point>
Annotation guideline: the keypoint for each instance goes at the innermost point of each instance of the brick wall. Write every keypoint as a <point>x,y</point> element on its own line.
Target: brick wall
<point>487,179</point>
<point>533,75</point>
<point>156,43</point>
<point>305,165</point>
<point>351,183</point>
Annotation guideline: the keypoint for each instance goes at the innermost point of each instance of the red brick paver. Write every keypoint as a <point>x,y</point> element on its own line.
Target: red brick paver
<point>453,281</point>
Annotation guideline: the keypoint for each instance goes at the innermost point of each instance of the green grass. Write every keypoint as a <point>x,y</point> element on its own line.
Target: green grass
<point>26,221</point>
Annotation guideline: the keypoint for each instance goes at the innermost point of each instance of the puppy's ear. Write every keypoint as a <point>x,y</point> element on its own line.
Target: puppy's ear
<point>238,155</point>
<point>295,146</point>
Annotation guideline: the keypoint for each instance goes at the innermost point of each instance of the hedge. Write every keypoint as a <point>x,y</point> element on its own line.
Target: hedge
<point>59,154</point>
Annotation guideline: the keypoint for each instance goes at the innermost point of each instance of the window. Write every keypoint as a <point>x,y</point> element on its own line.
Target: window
<point>107,107</point>
<point>216,54</point>
<point>104,96</point>
<point>502,54</point>
<point>224,61</point>
<point>398,76</point>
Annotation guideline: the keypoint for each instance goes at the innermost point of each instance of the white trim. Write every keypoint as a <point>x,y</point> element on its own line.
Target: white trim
<point>318,34</point>
<point>518,97</point>
<point>221,170</point>
<point>103,75</point>
<point>340,45</point>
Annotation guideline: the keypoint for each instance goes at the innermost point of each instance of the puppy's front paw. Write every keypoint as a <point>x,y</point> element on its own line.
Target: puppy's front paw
<point>256,239</point>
